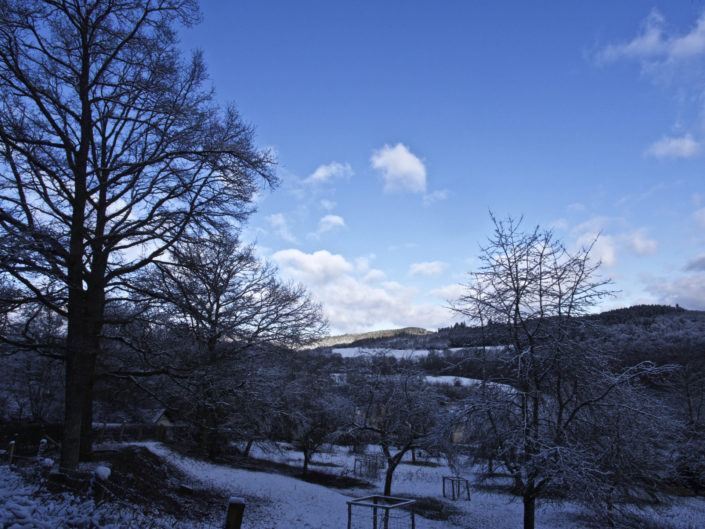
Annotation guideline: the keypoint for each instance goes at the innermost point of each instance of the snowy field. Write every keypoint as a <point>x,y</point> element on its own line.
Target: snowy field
<point>281,502</point>
<point>403,354</point>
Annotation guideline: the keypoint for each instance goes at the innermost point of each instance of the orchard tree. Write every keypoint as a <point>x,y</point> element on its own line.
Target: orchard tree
<point>313,412</point>
<point>400,411</point>
<point>563,418</point>
<point>112,150</point>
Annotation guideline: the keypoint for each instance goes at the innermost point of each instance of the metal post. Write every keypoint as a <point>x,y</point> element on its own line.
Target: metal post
<point>236,508</point>
<point>349,515</point>
<point>12,451</point>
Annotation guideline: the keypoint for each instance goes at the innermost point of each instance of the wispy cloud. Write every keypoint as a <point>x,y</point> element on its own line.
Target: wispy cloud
<point>428,269</point>
<point>640,243</point>
<point>330,222</point>
<point>687,290</point>
<point>675,60</point>
<point>401,170</point>
<point>328,205</point>
<point>329,172</point>
<point>608,245</point>
<point>278,222</point>
<point>435,196</point>
<point>668,147</point>
<point>655,45</point>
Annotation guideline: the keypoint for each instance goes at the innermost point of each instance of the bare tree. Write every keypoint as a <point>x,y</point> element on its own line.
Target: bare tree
<point>312,412</point>
<point>562,418</point>
<point>112,150</point>
<point>223,292</point>
<point>400,411</point>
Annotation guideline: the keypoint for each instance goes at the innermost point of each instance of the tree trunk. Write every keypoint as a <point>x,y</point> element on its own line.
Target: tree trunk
<point>307,459</point>
<point>77,439</point>
<point>86,445</point>
<point>73,412</point>
<point>529,511</point>
<point>388,478</point>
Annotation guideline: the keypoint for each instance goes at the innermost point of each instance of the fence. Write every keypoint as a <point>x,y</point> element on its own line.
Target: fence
<point>381,512</point>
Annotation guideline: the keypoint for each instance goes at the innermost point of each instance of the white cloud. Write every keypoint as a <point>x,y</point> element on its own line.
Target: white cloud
<point>449,293</point>
<point>332,171</point>
<point>279,223</point>
<point>669,147</point>
<point>603,246</point>
<point>330,222</point>
<point>314,269</point>
<point>353,298</point>
<point>400,168</point>
<point>429,268</point>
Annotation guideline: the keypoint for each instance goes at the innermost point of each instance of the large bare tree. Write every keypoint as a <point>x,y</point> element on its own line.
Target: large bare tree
<point>112,150</point>
<point>560,415</point>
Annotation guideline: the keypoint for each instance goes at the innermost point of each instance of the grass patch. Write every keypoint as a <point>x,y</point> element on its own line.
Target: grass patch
<point>432,508</point>
<point>421,463</point>
<point>313,476</point>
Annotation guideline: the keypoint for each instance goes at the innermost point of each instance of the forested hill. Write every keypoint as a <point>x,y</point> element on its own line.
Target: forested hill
<point>658,333</point>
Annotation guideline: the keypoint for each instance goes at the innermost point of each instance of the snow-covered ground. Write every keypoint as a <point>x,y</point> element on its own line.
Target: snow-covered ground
<point>275,501</point>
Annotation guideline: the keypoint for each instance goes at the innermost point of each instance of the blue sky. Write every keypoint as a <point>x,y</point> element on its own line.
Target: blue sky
<point>398,125</point>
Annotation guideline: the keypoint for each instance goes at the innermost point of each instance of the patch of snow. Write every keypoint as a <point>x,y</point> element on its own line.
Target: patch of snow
<point>102,473</point>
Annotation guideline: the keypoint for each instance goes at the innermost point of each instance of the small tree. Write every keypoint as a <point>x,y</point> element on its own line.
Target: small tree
<point>313,412</point>
<point>400,411</point>
<point>564,418</point>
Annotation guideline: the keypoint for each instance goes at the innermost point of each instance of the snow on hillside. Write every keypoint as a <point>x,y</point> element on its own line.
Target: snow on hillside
<point>450,380</point>
<point>350,352</point>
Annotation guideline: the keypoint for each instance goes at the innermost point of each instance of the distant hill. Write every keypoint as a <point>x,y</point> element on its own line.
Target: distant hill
<point>349,339</point>
<point>636,312</point>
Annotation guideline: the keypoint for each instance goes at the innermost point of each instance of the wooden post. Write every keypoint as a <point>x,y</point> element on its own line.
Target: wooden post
<point>12,451</point>
<point>42,448</point>
<point>236,508</point>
